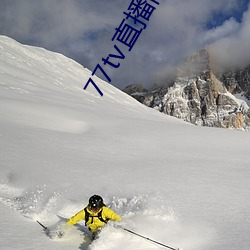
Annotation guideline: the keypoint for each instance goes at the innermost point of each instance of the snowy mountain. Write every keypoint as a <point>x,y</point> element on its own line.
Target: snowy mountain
<point>182,185</point>
<point>201,95</point>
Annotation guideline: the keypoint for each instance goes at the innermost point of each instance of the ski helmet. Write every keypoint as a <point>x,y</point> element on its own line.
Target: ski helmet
<point>95,202</point>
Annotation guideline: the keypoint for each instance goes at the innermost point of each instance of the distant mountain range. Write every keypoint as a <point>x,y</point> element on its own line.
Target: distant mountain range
<point>202,94</point>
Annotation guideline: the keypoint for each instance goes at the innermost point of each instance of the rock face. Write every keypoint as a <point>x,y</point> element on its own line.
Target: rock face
<point>201,97</point>
<point>237,81</point>
<point>136,90</point>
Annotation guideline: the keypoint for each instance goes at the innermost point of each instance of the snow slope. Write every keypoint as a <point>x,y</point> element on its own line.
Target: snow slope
<point>179,184</point>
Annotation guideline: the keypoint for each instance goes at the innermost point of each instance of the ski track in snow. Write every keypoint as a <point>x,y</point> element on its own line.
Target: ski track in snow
<point>43,117</point>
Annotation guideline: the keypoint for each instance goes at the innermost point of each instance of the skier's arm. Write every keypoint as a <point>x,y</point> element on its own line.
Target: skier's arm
<point>77,217</point>
<point>110,214</point>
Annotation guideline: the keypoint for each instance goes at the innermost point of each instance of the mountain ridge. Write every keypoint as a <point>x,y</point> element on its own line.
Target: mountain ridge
<point>201,95</point>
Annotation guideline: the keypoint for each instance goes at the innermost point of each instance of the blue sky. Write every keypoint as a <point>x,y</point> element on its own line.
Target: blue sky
<point>219,17</point>
<point>82,30</point>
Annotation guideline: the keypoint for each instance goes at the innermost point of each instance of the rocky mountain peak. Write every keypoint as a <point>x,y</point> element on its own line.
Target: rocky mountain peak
<point>196,64</point>
<point>202,97</point>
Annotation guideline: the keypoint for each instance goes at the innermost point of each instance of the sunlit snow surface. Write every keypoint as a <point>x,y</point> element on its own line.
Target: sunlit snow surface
<point>181,185</point>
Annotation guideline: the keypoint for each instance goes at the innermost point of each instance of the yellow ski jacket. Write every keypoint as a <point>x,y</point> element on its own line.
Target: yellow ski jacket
<point>94,223</point>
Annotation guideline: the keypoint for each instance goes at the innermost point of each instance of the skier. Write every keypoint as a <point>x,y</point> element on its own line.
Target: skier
<point>95,214</point>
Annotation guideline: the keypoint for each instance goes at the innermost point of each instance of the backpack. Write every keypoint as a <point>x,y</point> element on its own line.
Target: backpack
<point>88,216</point>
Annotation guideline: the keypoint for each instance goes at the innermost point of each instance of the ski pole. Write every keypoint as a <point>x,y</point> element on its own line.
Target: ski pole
<point>146,238</point>
<point>45,228</point>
